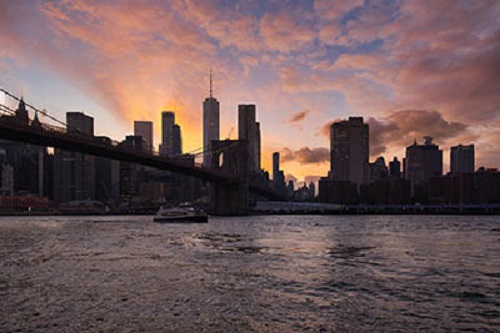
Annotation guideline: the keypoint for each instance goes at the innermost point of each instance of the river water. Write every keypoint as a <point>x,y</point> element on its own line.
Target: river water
<point>250,274</point>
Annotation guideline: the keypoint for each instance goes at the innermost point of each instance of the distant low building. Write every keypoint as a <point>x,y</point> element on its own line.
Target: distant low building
<point>337,191</point>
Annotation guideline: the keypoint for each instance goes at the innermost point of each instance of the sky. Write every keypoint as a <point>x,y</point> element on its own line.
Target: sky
<point>410,68</point>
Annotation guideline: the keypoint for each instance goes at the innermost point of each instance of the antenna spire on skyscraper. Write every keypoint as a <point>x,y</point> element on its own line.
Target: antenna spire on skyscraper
<point>211,86</point>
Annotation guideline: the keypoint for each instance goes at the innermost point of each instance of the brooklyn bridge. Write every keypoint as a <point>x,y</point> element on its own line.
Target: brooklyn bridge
<point>228,174</point>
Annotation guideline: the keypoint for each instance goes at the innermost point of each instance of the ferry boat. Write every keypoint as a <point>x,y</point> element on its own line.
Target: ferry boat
<point>184,213</point>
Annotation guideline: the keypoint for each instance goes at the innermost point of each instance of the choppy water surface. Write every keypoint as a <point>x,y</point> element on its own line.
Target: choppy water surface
<point>251,274</point>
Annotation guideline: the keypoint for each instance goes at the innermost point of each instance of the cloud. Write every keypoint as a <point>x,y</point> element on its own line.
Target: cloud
<point>298,116</point>
<point>338,58</point>
<point>305,155</point>
<point>400,128</point>
<point>335,10</point>
<point>289,29</point>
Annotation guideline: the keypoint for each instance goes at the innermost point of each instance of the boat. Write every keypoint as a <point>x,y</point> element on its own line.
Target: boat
<point>182,214</point>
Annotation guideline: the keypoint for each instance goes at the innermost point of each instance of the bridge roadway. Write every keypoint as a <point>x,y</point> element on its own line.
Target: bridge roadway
<point>52,136</point>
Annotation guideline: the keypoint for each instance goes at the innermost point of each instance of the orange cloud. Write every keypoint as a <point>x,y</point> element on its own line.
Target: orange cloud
<point>298,116</point>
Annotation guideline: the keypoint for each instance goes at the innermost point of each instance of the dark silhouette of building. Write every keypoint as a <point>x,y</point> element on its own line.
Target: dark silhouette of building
<point>247,130</point>
<point>211,124</point>
<point>167,125</point>
<point>378,169</point>
<point>176,140</point>
<point>487,185</point>
<point>462,159</point>
<point>48,174</point>
<point>74,173</point>
<point>144,129</point>
<point>27,160</point>
<point>278,175</point>
<point>257,146</point>
<point>6,175</point>
<point>107,176</point>
<point>423,161</point>
<point>349,149</point>
<point>395,168</point>
<point>341,192</point>
<point>131,173</point>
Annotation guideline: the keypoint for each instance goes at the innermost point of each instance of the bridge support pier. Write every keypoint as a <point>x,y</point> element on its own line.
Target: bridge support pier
<point>231,198</point>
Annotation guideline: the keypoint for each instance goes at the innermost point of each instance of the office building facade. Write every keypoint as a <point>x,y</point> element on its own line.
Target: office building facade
<point>167,125</point>
<point>349,151</point>
<point>462,159</point>
<point>423,161</point>
<point>74,173</point>
<point>176,140</point>
<point>248,129</point>
<point>211,124</point>
<point>145,130</point>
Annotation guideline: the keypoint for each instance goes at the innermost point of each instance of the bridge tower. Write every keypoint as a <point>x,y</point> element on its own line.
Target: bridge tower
<point>230,157</point>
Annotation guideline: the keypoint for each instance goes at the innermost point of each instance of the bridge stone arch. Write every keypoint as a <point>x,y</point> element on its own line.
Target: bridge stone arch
<point>230,198</point>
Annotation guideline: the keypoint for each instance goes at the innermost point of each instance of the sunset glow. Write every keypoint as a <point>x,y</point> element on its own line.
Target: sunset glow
<point>410,68</point>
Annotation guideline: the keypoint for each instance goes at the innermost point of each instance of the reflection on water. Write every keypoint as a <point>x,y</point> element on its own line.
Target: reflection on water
<point>251,274</point>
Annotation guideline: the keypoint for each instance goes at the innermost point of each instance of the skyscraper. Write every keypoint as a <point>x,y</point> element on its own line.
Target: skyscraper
<point>176,140</point>
<point>395,168</point>
<point>462,159</point>
<point>74,173</point>
<point>276,165</point>
<point>167,124</point>
<point>278,175</point>
<point>145,130</point>
<point>247,130</point>
<point>423,161</point>
<point>211,124</point>
<point>349,150</point>
<point>257,146</point>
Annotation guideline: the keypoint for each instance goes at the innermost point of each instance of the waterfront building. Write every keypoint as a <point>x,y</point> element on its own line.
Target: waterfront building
<point>423,161</point>
<point>74,173</point>
<point>211,131</point>
<point>145,129</point>
<point>462,159</point>
<point>107,176</point>
<point>349,151</point>
<point>6,175</point>
<point>337,191</point>
<point>130,173</point>
<point>27,160</point>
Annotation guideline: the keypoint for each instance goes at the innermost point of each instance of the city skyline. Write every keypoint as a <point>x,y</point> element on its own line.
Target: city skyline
<point>329,66</point>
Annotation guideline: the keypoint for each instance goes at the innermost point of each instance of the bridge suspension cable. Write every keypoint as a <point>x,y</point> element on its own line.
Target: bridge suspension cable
<point>43,112</point>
